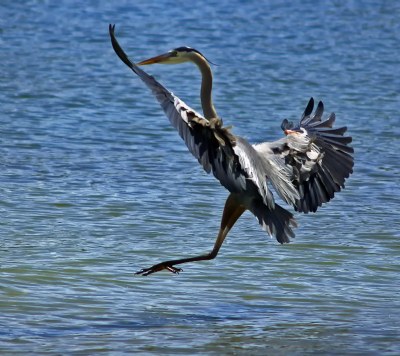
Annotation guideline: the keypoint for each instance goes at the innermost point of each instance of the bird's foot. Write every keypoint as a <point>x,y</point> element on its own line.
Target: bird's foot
<point>159,267</point>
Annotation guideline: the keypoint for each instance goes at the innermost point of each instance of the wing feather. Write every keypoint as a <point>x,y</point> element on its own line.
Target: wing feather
<point>335,163</point>
<point>212,145</point>
<point>320,157</point>
<point>306,168</point>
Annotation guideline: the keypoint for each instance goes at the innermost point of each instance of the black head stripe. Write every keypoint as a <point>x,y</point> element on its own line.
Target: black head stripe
<point>190,49</point>
<point>186,49</point>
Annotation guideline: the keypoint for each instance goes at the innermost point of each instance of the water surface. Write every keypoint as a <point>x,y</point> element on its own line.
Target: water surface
<point>95,184</point>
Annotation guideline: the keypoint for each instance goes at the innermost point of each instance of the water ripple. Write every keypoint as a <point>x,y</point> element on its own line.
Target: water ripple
<point>95,184</point>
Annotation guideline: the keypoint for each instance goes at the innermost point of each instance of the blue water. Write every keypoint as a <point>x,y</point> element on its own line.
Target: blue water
<point>95,184</point>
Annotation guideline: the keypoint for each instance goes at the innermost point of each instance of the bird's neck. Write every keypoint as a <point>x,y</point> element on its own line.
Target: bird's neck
<point>206,89</point>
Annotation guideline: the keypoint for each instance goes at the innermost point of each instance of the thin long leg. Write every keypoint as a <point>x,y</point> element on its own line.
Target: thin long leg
<point>232,211</point>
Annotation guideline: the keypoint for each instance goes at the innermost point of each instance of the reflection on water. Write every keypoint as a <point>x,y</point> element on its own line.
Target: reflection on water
<point>95,184</point>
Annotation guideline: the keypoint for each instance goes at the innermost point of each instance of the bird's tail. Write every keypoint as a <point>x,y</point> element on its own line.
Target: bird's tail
<point>277,222</point>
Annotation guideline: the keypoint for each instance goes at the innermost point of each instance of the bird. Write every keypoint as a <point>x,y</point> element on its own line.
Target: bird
<point>306,166</point>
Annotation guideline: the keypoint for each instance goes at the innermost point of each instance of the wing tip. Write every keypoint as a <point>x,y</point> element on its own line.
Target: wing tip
<point>309,108</point>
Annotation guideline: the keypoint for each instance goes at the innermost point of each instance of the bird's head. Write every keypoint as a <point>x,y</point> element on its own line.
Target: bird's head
<point>175,56</point>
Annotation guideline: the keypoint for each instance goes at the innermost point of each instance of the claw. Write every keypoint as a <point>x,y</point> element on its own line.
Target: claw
<point>175,270</point>
<point>144,271</point>
<point>157,268</point>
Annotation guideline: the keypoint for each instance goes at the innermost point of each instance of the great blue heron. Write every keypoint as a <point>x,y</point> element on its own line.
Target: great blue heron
<point>306,167</point>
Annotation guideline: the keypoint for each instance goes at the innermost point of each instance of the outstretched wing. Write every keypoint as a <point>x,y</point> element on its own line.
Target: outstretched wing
<point>209,142</point>
<point>318,154</point>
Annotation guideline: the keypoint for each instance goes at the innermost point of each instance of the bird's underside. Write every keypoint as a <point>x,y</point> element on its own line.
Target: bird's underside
<point>306,167</point>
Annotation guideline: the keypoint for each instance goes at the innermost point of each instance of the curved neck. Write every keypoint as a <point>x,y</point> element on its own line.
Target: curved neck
<point>206,88</point>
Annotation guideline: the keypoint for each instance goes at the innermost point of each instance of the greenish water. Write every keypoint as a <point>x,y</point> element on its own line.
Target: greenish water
<point>95,184</point>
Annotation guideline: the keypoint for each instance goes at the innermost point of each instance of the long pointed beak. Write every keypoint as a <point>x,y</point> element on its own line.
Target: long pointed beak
<point>158,59</point>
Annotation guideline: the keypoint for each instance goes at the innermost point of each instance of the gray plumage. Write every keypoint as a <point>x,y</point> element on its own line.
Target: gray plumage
<point>306,167</point>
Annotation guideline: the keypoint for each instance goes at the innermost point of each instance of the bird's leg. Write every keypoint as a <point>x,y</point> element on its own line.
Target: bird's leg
<point>232,211</point>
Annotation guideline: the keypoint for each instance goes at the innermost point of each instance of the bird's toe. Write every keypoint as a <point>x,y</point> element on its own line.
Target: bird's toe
<point>158,267</point>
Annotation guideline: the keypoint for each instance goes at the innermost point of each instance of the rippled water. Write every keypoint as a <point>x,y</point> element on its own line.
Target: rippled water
<point>95,184</point>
